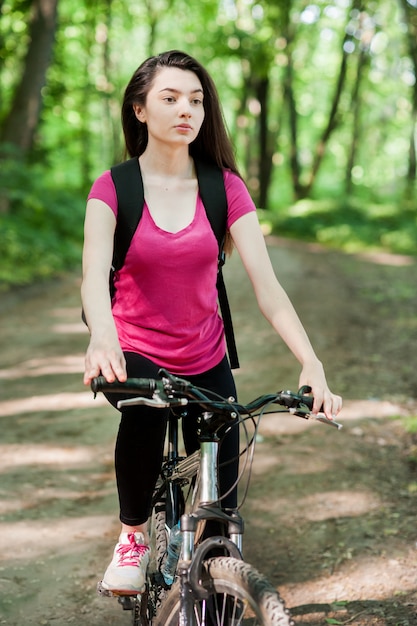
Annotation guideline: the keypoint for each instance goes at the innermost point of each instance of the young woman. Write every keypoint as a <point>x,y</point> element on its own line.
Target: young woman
<point>164,312</point>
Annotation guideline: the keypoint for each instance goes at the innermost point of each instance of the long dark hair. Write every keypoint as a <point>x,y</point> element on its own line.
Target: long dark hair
<point>212,143</point>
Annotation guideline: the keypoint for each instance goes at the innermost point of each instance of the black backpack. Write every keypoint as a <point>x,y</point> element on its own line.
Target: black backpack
<point>127,179</point>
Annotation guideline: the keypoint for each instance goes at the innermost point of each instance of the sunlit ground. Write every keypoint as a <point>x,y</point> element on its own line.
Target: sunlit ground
<point>58,495</point>
<point>366,577</point>
<point>34,539</point>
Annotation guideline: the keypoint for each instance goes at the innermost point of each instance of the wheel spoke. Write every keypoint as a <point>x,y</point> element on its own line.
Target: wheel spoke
<point>223,609</point>
<point>224,604</point>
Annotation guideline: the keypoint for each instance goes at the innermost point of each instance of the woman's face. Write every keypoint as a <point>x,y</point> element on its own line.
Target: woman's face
<point>174,110</point>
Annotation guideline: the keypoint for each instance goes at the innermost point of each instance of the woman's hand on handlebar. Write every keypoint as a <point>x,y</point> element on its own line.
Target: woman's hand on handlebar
<point>325,401</point>
<point>104,357</point>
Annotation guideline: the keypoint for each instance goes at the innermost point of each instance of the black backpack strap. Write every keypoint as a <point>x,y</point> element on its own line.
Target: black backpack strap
<point>213,195</point>
<point>127,179</point>
<point>227,321</point>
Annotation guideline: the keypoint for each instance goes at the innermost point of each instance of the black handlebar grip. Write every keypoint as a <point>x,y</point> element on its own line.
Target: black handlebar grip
<point>308,400</point>
<point>131,385</point>
<point>98,384</point>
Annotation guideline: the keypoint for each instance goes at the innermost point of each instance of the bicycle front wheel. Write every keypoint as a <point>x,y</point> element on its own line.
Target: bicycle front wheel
<point>238,596</point>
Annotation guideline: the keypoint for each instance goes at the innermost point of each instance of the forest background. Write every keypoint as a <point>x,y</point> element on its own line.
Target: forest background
<point>320,99</point>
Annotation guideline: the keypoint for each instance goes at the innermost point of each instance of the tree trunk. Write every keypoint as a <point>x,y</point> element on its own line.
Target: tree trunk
<point>412,156</point>
<point>410,15</point>
<point>245,139</point>
<point>332,121</point>
<point>265,152</point>
<point>293,124</point>
<point>289,99</point>
<point>330,127</point>
<point>356,107</point>
<point>20,124</point>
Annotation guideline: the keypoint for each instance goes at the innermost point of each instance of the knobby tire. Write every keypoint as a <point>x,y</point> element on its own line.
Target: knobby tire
<point>251,599</point>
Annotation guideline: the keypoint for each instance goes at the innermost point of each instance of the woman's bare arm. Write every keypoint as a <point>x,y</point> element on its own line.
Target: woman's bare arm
<point>278,310</point>
<point>104,354</point>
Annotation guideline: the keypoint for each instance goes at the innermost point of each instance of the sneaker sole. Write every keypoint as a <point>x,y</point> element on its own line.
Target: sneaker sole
<point>103,591</point>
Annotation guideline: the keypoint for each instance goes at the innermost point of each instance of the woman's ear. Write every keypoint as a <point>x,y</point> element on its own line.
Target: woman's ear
<point>139,112</point>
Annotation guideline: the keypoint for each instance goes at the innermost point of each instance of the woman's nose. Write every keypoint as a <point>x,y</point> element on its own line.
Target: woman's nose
<point>185,107</point>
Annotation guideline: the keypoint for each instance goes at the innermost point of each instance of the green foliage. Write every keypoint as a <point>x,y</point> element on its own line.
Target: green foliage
<point>351,224</point>
<point>42,230</point>
<point>410,424</point>
<point>244,45</point>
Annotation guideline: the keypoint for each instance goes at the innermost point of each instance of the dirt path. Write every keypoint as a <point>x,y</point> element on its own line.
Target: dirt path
<point>330,516</point>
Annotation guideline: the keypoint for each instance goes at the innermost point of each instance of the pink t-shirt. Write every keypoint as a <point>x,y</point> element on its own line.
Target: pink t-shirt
<point>165,305</point>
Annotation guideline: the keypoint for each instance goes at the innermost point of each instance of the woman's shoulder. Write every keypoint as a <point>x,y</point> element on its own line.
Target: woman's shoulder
<point>103,189</point>
<point>102,182</point>
<point>239,200</point>
<point>234,183</point>
<point>230,177</point>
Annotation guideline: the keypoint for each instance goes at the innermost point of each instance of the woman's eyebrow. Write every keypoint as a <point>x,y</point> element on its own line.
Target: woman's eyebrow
<point>173,90</point>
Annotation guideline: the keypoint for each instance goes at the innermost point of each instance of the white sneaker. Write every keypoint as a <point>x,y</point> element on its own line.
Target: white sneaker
<point>127,571</point>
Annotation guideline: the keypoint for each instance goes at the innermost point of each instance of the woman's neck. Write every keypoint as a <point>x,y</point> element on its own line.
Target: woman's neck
<point>169,163</point>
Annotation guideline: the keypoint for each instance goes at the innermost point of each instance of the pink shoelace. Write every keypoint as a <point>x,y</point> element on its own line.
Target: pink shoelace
<point>131,553</point>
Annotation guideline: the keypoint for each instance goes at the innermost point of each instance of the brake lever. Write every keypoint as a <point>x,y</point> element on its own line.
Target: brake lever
<point>305,412</point>
<point>301,411</point>
<point>323,419</point>
<point>156,402</point>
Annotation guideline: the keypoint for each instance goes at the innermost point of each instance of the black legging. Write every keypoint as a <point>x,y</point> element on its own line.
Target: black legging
<point>140,441</point>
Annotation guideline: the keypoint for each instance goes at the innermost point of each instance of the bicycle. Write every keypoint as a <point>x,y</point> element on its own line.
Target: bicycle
<point>210,590</point>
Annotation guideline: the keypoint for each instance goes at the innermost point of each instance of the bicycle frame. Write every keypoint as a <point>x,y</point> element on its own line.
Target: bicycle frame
<point>207,508</point>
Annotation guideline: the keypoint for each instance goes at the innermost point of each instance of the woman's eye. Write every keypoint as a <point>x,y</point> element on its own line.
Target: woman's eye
<point>197,101</point>
<point>169,99</point>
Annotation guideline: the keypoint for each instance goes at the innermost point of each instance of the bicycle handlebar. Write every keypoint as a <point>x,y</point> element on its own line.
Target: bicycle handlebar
<point>146,386</point>
<point>171,391</point>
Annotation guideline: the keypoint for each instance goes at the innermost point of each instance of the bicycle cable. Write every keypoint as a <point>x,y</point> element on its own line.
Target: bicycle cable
<point>248,451</point>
